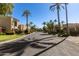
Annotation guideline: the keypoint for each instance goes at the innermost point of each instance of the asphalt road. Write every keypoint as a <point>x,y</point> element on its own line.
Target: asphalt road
<point>40,44</point>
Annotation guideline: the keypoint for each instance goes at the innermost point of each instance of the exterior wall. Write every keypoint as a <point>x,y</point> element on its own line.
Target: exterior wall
<point>0,29</point>
<point>22,27</point>
<point>13,26</point>
<point>5,22</point>
<point>8,23</point>
<point>73,26</point>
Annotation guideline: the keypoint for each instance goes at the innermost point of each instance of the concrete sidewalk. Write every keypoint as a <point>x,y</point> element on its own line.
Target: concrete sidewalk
<point>74,39</point>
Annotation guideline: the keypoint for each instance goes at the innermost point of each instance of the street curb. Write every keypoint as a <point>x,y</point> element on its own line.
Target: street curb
<point>15,39</point>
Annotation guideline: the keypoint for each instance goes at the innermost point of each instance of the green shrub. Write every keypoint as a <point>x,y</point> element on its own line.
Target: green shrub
<point>73,33</point>
<point>26,31</point>
<point>1,33</point>
<point>18,31</point>
<point>44,30</point>
<point>10,33</point>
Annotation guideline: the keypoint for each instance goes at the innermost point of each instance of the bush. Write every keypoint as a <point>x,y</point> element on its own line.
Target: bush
<point>63,33</point>
<point>26,31</point>
<point>18,31</point>
<point>1,33</point>
<point>54,33</point>
<point>10,33</point>
<point>44,30</point>
<point>73,33</point>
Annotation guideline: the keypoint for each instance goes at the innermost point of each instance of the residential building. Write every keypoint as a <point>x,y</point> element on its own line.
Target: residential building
<point>9,23</point>
<point>72,26</point>
<point>22,27</point>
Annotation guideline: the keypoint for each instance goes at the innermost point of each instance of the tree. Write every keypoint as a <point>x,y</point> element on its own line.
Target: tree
<point>55,20</point>
<point>62,24</point>
<point>44,23</point>
<point>33,28</point>
<point>44,27</point>
<point>6,8</point>
<point>66,11</point>
<point>9,8</point>
<point>50,26</point>
<point>26,13</point>
<point>57,6</point>
<point>30,24</point>
<point>55,26</point>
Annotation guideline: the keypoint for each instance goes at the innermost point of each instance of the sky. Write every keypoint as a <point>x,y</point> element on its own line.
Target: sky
<point>40,12</point>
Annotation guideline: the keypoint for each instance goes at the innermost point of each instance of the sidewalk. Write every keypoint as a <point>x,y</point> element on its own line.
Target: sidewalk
<point>74,39</point>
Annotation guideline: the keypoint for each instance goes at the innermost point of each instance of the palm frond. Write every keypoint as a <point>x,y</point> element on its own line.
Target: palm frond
<point>26,13</point>
<point>52,6</point>
<point>62,7</point>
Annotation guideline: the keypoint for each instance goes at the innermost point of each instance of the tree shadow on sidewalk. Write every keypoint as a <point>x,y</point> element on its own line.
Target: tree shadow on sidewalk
<point>50,43</point>
<point>38,46</point>
<point>49,47</point>
<point>44,34</point>
<point>13,47</point>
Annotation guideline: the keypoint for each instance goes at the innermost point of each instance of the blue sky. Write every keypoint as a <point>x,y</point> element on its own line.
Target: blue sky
<point>40,13</point>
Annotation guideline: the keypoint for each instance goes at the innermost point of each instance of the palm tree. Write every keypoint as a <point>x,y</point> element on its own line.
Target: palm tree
<point>55,20</point>
<point>33,28</point>
<point>55,25</point>
<point>44,27</point>
<point>26,13</point>
<point>49,27</point>
<point>30,24</point>
<point>44,23</point>
<point>57,6</point>
<point>9,8</point>
<point>66,11</point>
<point>51,24</point>
<point>6,8</point>
<point>62,24</point>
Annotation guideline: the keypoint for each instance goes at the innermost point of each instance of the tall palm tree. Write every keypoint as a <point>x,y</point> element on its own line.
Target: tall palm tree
<point>6,8</point>
<point>50,27</point>
<point>9,8</point>
<point>44,23</point>
<point>33,28</point>
<point>26,13</point>
<point>55,20</point>
<point>62,23</point>
<point>30,24</point>
<point>66,11</point>
<point>57,6</point>
<point>44,26</point>
<point>55,25</point>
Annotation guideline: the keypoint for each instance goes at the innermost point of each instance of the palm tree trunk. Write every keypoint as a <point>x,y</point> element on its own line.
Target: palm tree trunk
<point>66,18</point>
<point>58,18</point>
<point>27,23</point>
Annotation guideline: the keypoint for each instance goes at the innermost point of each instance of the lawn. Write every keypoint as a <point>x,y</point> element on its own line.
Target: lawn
<point>8,37</point>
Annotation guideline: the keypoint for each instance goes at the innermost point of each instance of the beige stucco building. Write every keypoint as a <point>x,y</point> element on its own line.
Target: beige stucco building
<point>22,27</point>
<point>9,23</point>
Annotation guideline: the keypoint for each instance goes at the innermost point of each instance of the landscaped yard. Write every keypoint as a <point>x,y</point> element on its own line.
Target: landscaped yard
<point>8,37</point>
